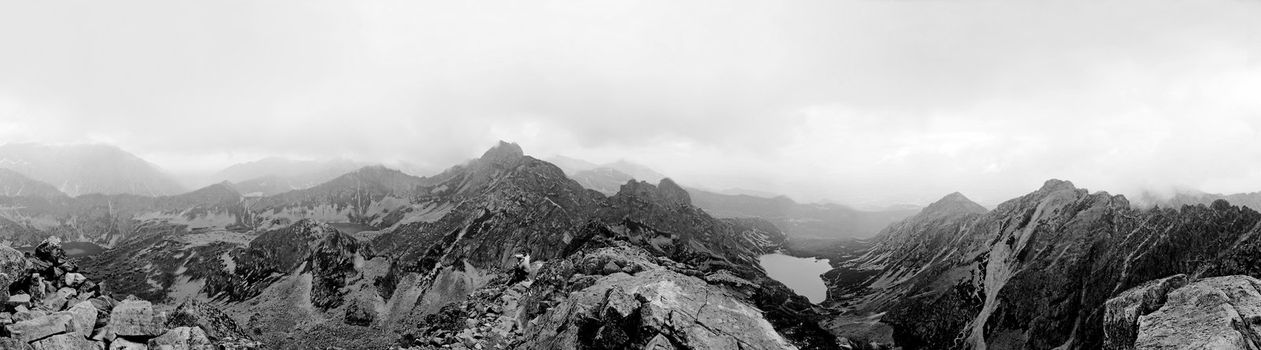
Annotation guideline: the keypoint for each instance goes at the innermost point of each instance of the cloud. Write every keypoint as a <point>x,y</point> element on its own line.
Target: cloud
<point>870,102</point>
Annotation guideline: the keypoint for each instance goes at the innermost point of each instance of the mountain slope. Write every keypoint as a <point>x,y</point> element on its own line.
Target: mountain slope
<point>14,184</point>
<point>83,169</point>
<point>270,176</point>
<point>482,254</point>
<point>1036,271</point>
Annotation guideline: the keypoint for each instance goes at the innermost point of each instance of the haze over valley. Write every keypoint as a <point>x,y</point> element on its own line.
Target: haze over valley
<point>657,175</point>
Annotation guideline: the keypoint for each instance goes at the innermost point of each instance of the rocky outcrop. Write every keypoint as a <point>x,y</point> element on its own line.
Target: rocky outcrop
<point>217,325</point>
<point>1123,311</point>
<point>67,310</point>
<point>633,311</point>
<point>1213,313</point>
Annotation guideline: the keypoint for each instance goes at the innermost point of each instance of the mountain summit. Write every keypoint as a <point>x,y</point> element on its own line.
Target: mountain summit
<point>956,203</point>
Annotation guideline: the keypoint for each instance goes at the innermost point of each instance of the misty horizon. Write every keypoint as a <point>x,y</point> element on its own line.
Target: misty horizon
<point>868,104</point>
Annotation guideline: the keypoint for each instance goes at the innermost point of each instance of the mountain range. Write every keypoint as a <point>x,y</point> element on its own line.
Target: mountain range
<point>83,169</point>
<point>509,251</point>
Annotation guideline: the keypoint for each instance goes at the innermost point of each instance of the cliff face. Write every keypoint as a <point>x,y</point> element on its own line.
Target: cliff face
<point>1036,271</point>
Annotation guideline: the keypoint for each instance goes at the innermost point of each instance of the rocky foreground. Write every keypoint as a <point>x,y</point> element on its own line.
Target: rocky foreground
<point>49,305</point>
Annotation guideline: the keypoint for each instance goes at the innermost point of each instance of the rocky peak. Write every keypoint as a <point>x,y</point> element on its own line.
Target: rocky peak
<point>1053,185</point>
<point>955,203</point>
<point>673,193</point>
<point>503,153</point>
<point>665,193</point>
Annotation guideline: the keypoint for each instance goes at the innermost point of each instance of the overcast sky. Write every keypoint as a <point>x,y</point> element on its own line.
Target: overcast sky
<point>862,102</point>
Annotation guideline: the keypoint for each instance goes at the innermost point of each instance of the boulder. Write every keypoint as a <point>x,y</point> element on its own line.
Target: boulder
<point>1121,313</point>
<point>57,300</point>
<point>41,327</point>
<point>182,338</point>
<point>74,279</point>
<point>104,305</point>
<point>215,324</point>
<point>83,317</point>
<point>13,344</point>
<point>68,341</point>
<point>360,312</point>
<point>50,251</point>
<point>26,315</point>
<point>13,262</point>
<point>135,318</point>
<point>19,300</point>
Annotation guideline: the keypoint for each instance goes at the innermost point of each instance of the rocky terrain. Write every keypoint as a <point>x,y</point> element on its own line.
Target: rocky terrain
<point>1036,272</point>
<point>49,304</point>
<point>502,252</point>
<point>506,251</point>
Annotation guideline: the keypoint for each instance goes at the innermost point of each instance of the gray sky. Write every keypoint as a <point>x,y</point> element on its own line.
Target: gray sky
<point>863,102</point>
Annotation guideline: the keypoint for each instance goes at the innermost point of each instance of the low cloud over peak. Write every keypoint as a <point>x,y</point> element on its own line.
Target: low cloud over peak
<point>864,102</point>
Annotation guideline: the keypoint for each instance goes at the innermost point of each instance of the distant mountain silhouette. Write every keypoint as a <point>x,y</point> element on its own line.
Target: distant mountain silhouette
<point>82,169</point>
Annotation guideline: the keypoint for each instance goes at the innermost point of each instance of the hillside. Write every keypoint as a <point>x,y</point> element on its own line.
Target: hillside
<point>83,169</point>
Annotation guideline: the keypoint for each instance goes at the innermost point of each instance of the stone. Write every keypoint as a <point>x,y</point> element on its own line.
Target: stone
<point>1121,313</point>
<point>74,280</point>
<point>19,299</point>
<point>1213,313</point>
<point>619,305</point>
<point>57,300</point>
<point>611,268</point>
<point>360,312</point>
<point>134,318</point>
<point>13,263</point>
<point>103,307</point>
<point>41,327</point>
<point>83,317</point>
<point>13,344</point>
<point>26,315</point>
<point>659,342</point>
<point>50,250</point>
<point>182,338</point>
<point>124,344</point>
<point>217,325</point>
<point>68,341</point>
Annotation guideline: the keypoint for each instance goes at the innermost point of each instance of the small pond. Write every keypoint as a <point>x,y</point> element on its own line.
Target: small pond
<point>800,274</point>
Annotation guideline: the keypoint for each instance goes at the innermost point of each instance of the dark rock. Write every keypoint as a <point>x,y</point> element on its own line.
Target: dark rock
<point>332,264</point>
<point>13,264</point>
<point>360,312</point>
<point>104,306</point>
<point>50,251</point>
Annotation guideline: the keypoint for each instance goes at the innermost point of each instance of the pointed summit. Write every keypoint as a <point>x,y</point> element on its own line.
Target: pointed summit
<point>954,203</point>
<point>673,192</point>
<point>503,152</point>
<point>1053,185</point>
